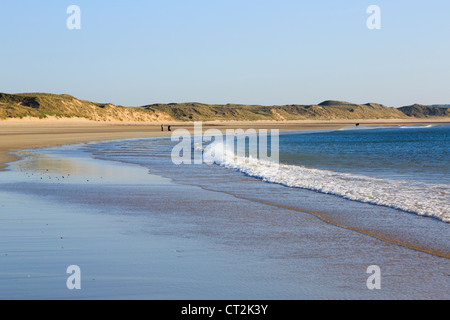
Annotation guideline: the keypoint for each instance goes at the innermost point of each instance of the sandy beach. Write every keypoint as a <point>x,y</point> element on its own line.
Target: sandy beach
<point>18,134</point>
<point>141,227</point>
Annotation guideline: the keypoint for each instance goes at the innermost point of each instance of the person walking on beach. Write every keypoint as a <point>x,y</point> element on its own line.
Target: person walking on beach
<point>162,127</point>
<point>168,128</point>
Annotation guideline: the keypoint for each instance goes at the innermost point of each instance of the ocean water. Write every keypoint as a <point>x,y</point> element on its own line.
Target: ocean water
<point>401,167</point>
<point>415,153</point>
<point>404,167</point>
<point>379,181</point>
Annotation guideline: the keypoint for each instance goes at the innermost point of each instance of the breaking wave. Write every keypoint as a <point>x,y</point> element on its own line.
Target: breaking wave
<point>424,199</point>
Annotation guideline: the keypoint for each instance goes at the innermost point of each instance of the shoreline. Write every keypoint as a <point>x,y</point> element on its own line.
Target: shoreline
<point>99,211</point>
<point>19,134</point>
<point>121,216</point>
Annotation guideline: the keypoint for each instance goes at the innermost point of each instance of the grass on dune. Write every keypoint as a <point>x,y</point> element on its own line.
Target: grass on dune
<point>42,105</point>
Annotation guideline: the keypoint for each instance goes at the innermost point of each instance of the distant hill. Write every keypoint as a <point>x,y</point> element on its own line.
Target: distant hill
<point>42,105</point>
<point>327,110</point>
<point>422,111</point>
<point>441,105</point>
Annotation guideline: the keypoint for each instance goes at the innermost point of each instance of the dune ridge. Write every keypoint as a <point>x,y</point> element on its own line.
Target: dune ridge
<point>45,105</point>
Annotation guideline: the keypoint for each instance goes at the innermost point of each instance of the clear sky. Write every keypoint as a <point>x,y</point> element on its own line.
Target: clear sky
<point>140,52</point>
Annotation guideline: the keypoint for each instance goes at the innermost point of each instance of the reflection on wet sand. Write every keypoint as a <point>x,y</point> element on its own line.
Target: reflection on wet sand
<point>139,235</point>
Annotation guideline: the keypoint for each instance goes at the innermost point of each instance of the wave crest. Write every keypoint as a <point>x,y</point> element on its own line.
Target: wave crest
<point>424,199</point>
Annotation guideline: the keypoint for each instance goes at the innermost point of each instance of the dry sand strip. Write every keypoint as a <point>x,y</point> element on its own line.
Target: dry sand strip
<point>22,134</point>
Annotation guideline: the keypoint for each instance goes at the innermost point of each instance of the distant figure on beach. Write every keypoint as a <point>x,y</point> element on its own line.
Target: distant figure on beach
<point>168,128</point>
<point>162,127</point>
<point>357,124</point>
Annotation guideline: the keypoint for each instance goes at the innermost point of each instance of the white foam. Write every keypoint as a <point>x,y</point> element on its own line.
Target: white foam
<point>425,199</point>
<point>361,127</point>
<point>353,128</point>
<point>417,127</point>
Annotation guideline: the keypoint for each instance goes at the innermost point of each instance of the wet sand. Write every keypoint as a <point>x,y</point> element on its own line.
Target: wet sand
<point>137,235</point>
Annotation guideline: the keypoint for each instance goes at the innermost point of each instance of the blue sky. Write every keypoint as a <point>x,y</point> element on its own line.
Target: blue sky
<point>254,52</point>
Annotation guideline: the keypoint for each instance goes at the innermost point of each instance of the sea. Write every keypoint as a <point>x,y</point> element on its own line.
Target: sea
<point>402,167</point>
